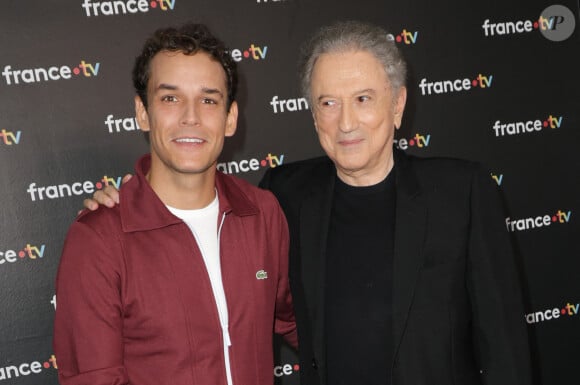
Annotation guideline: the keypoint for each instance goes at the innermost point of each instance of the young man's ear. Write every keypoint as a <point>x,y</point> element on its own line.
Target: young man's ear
<point>232,119</point>
<point>141,114</point>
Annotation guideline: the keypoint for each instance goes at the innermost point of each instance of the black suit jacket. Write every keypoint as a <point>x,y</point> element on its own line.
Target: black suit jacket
<point>457,305</point>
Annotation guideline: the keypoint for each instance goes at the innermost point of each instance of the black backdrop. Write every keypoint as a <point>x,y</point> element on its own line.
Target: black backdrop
<point>67,128</point>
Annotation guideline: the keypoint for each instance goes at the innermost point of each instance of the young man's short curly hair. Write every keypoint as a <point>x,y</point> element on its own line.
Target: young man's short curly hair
<point>189,39</point>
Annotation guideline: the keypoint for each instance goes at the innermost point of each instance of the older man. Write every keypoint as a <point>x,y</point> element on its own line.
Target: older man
<point>401,269</point>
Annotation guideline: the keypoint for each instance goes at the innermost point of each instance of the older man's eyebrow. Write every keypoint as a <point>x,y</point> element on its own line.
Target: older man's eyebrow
<point>363,91</point>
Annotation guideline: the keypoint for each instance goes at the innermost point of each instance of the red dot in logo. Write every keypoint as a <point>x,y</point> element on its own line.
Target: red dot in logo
<point>263,163</point>
<point>399,39</point>
<point>563,311</point>
<point>46,365</point>
<point>411,142</point>
<point>296,367</point>
<point>536,25</point>
<point>153,4</point>
<point>545,123</point>
<point>246,54</point>
<point>99,185</point>
<point>76,71</point>
<point>474,82</point>
<point>554,218</point>
<point>21,254</point>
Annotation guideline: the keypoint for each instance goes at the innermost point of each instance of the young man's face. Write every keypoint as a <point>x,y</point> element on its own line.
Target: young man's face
<point>187,115</point>
<point>355,113</point>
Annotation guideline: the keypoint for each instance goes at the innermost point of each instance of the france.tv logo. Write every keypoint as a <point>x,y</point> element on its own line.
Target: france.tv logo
<point>405,37</point>
<point>29,251</point>
<point>456,85</point>
<point>66,190</point>
<point>570,309</point>
<point>555,23</point>
<point>253,52</point>
<point>419,141</point>
<point>252,164</point>
<point>27,368</point>
<point>10,138</point>
<point>522,224</point>
<point>14,76</point>
<point>120,7</point>
<point>524,127</point>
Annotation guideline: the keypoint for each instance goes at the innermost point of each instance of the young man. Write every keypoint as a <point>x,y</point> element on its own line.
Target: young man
<point>186,280</point>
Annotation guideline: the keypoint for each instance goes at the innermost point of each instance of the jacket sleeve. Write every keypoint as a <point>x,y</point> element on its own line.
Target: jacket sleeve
<point>494,287</point>
<point>285,322</point>
<point>88,321</point>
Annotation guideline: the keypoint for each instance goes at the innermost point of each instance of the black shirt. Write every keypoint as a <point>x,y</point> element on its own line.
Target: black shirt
<point>359,281</point>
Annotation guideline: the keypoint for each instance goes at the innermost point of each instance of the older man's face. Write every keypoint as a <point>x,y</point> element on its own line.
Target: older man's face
<point>355,114</point>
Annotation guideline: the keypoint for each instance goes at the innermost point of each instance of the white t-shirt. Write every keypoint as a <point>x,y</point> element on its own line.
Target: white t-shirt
<point>203,224</point>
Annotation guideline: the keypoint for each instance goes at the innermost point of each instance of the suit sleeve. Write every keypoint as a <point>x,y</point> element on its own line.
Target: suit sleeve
<point>285,324</point>
<point>494,285</point>
<point>88,322</point>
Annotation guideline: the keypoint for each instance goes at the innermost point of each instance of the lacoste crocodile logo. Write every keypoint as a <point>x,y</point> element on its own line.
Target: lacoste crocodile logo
<point>261,274</point>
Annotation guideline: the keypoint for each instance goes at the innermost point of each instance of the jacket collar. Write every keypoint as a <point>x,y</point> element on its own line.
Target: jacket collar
<point>142,210</point>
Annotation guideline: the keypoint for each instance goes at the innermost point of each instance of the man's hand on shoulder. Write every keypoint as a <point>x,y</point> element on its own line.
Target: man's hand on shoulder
<point>109,196</point>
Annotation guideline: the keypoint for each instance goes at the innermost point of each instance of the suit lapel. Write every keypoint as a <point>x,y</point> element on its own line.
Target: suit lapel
<point>410,226</point>
<point>314,223</point>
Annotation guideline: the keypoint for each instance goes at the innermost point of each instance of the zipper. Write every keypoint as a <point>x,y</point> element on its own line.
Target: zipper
<point>227,342</point>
